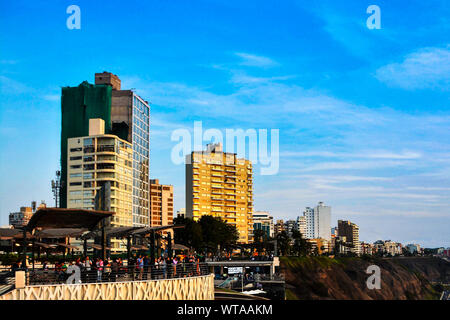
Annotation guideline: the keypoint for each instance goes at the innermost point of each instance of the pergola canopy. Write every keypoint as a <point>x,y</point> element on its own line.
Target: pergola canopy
<point>178,246</point>
<point>8,234</point>
<point>147,230</point>
<point>59,233</point>
<point>55,218</point>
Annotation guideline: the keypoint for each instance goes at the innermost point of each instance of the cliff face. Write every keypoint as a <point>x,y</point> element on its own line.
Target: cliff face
<point>345,278</point>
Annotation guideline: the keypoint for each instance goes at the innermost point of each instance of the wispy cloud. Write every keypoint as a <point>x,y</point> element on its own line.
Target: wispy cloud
<point>8,62</point>
<point>427,68</point>
<point>52,97</point>
<point>369,154</point>
<point>252,60</point>
<point>331,149</point>
<point>10,86</point>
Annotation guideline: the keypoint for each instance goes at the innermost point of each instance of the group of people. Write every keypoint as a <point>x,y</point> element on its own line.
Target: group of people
<point>137,268</point>
<point>163,268</point>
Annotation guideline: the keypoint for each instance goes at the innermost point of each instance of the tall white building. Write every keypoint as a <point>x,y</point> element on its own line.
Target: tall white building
<point>318,222</point>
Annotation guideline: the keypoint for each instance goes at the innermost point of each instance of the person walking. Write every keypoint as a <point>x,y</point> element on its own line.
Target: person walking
<point>99,266</point>
<point>163,266</point>
<point>146,265</point>
<point>140,265</point>
<point>175,263</point>
<point>87,269</point>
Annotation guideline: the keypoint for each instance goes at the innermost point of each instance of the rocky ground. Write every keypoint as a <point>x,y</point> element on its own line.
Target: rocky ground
<point>345,278</point>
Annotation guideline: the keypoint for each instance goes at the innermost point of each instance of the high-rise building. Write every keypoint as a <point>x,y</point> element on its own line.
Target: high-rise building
<point>351,232</point>
<point>301,225</point>
<point>94,160</point>
<point>161,204</point>
<point>125,115</point>
<point>97,159</point>
<point>318,222</point>
<point>262,220</point>
<point>220,184</point>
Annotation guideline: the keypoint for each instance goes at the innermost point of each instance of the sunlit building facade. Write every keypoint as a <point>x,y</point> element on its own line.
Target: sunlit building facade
<point>220,184</point>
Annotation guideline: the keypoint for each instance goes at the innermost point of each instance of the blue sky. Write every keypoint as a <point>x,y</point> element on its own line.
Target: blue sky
<point>363,114</point>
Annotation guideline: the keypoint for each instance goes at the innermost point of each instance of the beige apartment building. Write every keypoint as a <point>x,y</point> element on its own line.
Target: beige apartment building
<point>351,232</point>
<point>220,184</point>
<point>161,204</point>
<point>94,160</point>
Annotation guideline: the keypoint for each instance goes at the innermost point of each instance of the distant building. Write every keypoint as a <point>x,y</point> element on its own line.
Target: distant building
<point>413,248</point>
<point>301,225</point>
<point>367,248</point>
<point>262,220</point>
<point>181,213</point>
<point>279,227</point>
<point>387,247</point>
<point>340,245</point>
<point>22,217</point>
<point>322,245</point>
<point>290,226</point>
<point>351,232</point>
<point>446,252</point>
<point>334,232</point>
<point>392,248</point>
<point>318,222</point>
<point>161,204</point>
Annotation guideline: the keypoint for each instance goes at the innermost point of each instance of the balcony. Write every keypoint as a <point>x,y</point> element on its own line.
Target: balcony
<point>106,148</point>
<point>89,149</point>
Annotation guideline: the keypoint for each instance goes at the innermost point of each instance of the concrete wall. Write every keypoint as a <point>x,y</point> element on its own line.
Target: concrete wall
<point>192,288</point>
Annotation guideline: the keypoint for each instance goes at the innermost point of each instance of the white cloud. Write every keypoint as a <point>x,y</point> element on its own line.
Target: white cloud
<point>427,68</point>
<point>369,154</point>
<point>11,86</point>
<point>52,97</point>
<point>252,60</point>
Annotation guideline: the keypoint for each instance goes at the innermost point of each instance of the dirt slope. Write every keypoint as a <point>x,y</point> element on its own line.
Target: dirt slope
<point>345,278</point>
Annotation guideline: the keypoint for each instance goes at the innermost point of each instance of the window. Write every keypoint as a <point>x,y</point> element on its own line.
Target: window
<point>88,167</point>
<point>75,149</point>
<point>88,184</point>
<point>88,142</point>
<point>75,175</point>
<point>75,184</point>
<point>88,176</point>
<point>78,166</point>
<point>75,158</point>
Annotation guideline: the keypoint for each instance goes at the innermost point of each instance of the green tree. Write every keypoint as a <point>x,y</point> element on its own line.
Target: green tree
<point>301,246</point>
<point>217,232</point>
<point>191,235</point>
<point>284,243</point>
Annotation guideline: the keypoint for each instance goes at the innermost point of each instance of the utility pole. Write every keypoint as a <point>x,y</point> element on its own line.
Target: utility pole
<point>56,188</point>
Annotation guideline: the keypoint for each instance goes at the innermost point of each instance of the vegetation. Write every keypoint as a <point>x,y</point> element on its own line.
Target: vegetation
<point>207,234</point>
